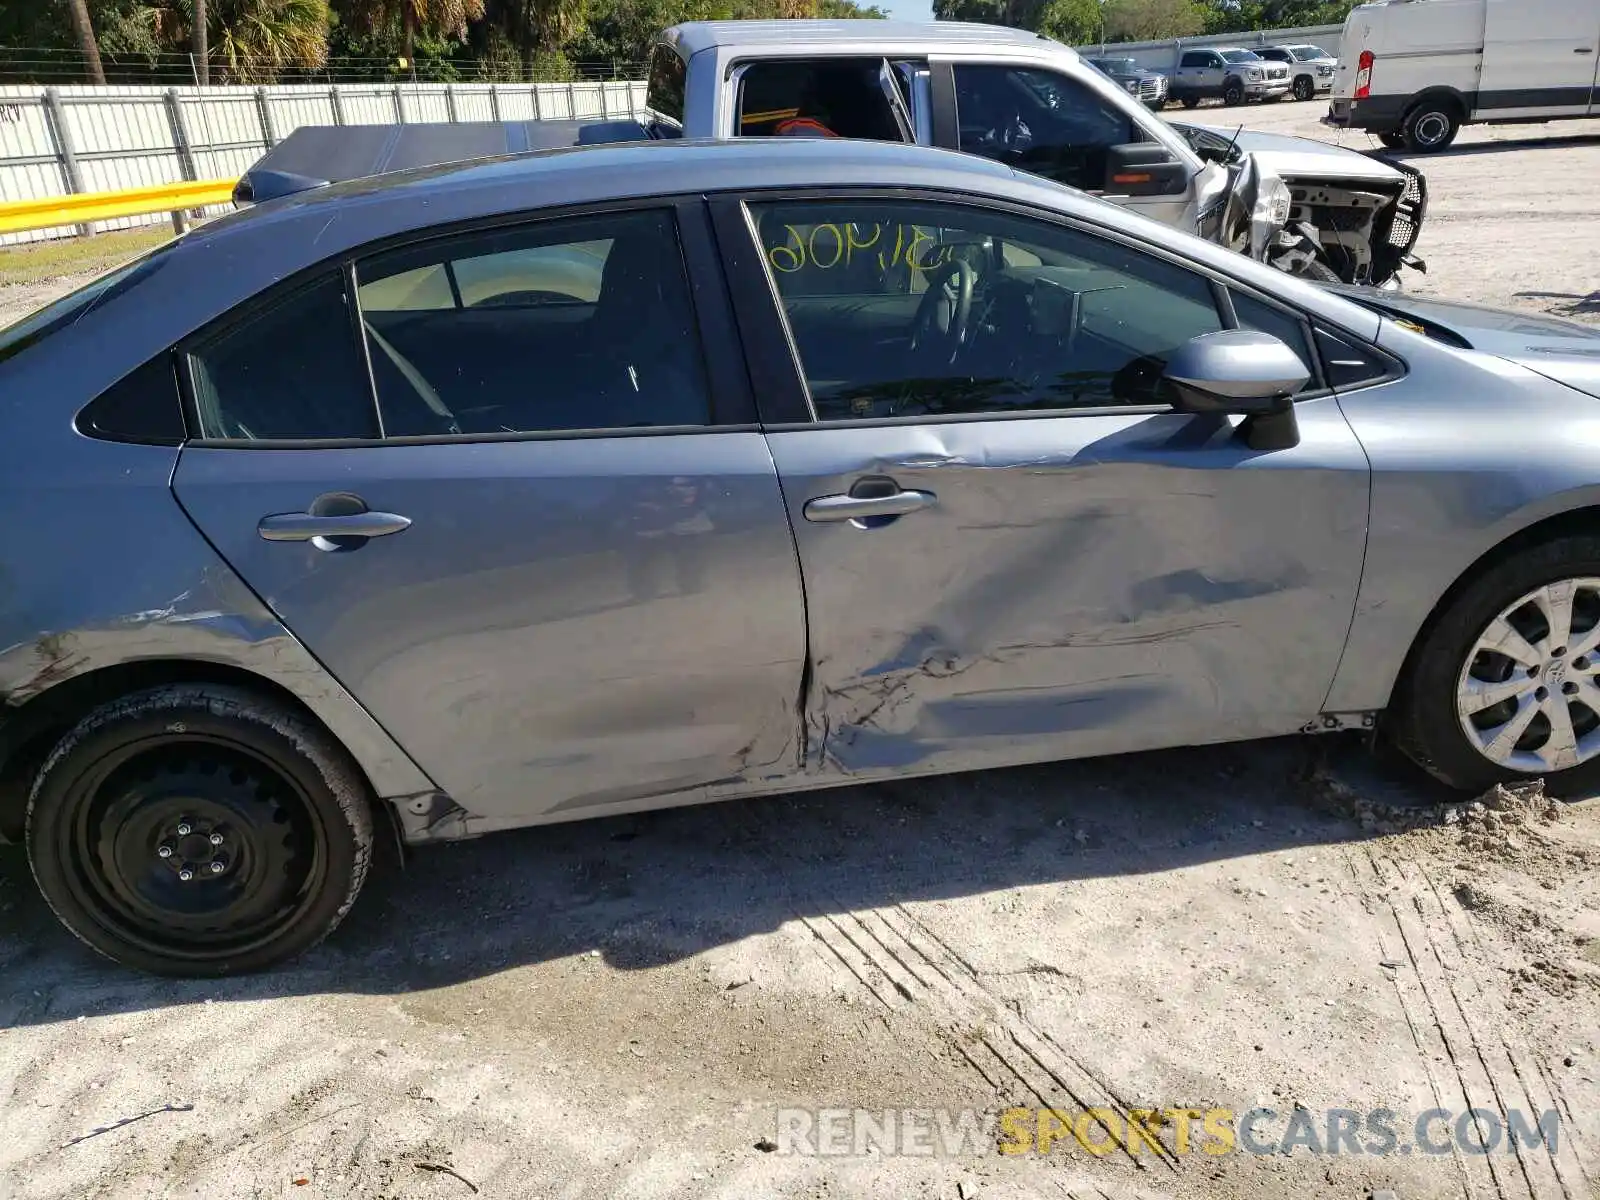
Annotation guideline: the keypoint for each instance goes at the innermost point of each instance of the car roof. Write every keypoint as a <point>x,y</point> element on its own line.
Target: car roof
<point>691,37</point>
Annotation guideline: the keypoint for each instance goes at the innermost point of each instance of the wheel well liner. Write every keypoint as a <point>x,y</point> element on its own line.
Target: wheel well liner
<point>1577,520</point>
<point>32,729</point>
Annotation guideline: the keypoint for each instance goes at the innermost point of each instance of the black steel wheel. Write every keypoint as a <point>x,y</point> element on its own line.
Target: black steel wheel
<point>1304,88</point>
<point>1233,93</point>
<point>199,830</point>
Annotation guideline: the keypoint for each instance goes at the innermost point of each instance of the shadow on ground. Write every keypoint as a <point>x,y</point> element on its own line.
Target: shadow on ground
<point>657,888</point>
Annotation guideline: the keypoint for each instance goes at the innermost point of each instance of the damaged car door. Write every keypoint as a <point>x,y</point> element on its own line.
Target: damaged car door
<point>505,495</point>
<point>1014,549</point>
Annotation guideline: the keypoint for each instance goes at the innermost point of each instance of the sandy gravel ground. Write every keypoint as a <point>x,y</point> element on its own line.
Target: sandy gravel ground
<point>620,1008</point>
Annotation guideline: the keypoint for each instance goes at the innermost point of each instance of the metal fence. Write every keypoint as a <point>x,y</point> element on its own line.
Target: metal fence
<point>57,141</point>
<point>1163,56</point>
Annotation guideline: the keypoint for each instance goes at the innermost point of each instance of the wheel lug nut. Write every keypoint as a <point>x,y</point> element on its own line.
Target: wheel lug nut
<point>184,830</point>
<point>163,851</point>
<point>186,874</point>
<point>1581,662</point>
<point>1570,689</point>
<point>1542,694</point>
<point>1558,651</point>
<point>216,839</point>
<point>218,868</point>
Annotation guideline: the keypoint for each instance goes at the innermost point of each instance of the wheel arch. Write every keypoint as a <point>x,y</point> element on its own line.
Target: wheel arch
<point>31,730</point>
<point>1572,521</point>
<point>1448,95</point>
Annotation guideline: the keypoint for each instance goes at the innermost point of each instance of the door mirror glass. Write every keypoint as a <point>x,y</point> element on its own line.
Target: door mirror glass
<point>1237,371</point>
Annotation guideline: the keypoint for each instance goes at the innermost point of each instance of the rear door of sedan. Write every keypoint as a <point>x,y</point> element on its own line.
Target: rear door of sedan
<point>1013,550</point>
<point>506,484</point>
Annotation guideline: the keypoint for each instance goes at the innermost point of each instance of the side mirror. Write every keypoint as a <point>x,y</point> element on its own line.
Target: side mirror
<point>1144,169</point>
<point>1244,373</point>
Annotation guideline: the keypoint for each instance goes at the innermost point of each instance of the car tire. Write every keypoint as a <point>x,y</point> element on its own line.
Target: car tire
<point>1394,140</point>
<point>1191,102</point>
<point>1432,126</point>
<point>1430,723</point>
<point>1233,93</point>
<point>1304,89</point>
<point>199,830</point>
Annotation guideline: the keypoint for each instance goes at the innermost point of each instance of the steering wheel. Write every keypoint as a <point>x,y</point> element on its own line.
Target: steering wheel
<point>945,312</point>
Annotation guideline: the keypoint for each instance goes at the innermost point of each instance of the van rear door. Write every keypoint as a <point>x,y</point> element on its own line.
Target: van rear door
<point>1539,58</point>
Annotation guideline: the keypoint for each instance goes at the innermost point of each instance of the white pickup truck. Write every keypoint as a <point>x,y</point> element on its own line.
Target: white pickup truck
<point>1306,207</point>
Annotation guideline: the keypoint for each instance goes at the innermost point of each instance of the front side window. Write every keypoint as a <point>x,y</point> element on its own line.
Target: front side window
<point>664,91</point>
<point>909,308</point>
<point>1239,56</point>
<point>1040,122</point>
<point>291,370</point>
<point>841,97</point>
<point>579,323</point>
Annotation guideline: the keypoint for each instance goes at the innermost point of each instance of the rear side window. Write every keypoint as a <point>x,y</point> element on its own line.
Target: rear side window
<point>292,370</point>
<point>1196,59</point>
<point>664,91</point>
<point>840,97</point>
<point>577,323</point>
<point>143,406</point>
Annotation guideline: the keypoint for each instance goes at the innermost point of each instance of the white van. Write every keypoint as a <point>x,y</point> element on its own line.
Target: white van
<point>1415,71</point>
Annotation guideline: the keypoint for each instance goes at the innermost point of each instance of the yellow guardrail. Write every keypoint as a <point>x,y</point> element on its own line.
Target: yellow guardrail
<point>17,216</point>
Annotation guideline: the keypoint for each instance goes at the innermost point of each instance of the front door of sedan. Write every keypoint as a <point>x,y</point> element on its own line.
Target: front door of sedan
<point>496,485</point>
<point>1012,550</point>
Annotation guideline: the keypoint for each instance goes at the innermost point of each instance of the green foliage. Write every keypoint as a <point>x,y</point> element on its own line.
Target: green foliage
<point>1153,20</point>
<point>1074,22</point>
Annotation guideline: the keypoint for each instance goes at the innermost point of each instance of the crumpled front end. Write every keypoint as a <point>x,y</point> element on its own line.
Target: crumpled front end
<point>1365,231</point>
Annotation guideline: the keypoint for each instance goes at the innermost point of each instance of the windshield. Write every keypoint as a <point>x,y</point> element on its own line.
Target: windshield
<point>1118,66</point>
<point>1240,56</point>
<point>14,339</point>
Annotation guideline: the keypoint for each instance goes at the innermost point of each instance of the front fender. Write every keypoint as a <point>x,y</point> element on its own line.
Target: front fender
<point>1467,452</point>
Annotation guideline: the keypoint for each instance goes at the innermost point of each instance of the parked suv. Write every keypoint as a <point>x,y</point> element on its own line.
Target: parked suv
<point>1232,73</point>
<point>1311,68</point>
<point>1147,86</point>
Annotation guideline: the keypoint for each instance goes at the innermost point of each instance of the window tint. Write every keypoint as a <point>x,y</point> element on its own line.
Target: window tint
<point>573,324</point>
<point>1040,122</point>
<point>820,98</point>
<point>142,406</point>
<point>899,308</point>
<point>664,91</point>
<point>1349,363</point>
<point>291,370</point>
<point>1195,60</point>
<point>1287,327</point>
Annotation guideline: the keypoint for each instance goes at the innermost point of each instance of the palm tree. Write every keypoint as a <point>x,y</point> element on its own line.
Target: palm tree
<point>91,49</point>
<point>202,65</point>
<point>256,39</point>
<point>448,17</point>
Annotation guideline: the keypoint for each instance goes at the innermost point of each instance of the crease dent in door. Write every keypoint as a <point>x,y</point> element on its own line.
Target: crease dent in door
<point>1014,627</point>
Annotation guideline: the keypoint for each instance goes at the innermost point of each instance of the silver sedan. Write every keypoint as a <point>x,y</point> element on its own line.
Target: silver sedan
<point>586,482</point>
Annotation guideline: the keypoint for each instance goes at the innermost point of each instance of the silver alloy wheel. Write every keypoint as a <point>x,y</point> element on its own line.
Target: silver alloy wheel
<point>1528,696</point>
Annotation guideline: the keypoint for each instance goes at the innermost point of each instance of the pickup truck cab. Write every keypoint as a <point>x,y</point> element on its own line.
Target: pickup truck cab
<point>1006,94</point>
<point>1231,73</point>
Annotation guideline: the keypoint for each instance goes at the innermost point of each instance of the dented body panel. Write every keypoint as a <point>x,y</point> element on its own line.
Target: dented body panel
<point>1082,585</point>
<point>598,623</point>
<point>567,624</point>
<point>106,571</point>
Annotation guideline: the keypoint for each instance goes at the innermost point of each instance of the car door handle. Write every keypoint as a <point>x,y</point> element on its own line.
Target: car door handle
<point>306,527</point>
<point>854,508</point>
<point>1584,50</point>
